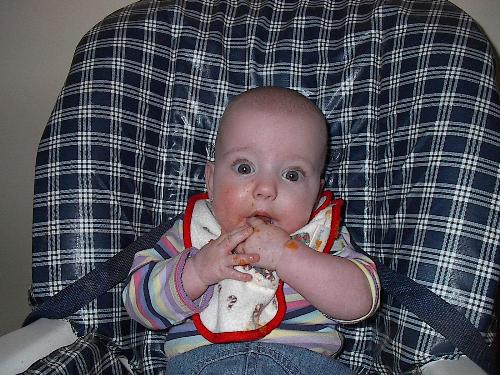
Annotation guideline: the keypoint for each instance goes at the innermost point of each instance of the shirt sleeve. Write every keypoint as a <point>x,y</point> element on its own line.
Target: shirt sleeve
<point>154,295</point>
<point>342,247</point>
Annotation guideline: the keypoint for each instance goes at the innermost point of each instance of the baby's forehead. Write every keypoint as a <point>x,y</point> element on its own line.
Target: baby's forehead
<point>269,119</point>
<point>269,136</point>
<point>271,104</point>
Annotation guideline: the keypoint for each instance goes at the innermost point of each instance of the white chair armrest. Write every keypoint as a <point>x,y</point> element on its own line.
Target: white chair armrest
<point>461,366</point>
<point>21,348</point>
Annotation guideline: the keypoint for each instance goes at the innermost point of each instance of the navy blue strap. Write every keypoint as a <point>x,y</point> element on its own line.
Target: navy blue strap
<point>437,313</point>
<point>97,282</point>
<point>440,315</point>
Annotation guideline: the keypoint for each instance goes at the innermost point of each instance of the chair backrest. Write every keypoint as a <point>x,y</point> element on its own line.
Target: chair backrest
<point>409,94</point>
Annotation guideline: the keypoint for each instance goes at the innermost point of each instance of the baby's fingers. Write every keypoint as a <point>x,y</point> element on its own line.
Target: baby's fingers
<point>240,260</point>
<point>237,275</point>
<point>234,238</point>
<point>240,249</point>
<point>244,259</point>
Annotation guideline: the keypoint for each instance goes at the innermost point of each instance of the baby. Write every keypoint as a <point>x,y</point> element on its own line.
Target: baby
<point>260,261</point>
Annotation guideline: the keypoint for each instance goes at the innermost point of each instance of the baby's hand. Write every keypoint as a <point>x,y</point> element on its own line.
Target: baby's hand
<point>268,241</point>
<point>215,261</point>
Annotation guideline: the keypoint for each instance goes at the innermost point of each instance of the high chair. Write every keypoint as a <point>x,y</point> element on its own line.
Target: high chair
<point>409,94</point>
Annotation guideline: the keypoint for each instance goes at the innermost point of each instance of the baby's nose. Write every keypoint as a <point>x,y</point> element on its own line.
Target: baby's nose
<point>265,188</point>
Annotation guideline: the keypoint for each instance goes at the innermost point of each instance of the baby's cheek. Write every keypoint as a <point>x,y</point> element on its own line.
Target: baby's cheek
<point>235,196</point>
<point>229,206</point>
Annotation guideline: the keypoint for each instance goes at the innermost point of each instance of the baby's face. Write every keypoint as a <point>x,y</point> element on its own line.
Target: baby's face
<point>267,166</point>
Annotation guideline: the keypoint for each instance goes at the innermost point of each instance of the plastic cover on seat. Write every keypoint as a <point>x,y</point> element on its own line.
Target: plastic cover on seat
<point>409,94</point>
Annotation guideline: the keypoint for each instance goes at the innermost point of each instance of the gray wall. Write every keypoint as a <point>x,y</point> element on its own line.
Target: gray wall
<point>37,40</point>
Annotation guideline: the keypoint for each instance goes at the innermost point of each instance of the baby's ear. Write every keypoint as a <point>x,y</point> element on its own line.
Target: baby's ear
<point>209,177</point>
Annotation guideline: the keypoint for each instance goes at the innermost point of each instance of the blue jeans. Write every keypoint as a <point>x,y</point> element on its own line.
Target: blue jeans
<point>254,358</point>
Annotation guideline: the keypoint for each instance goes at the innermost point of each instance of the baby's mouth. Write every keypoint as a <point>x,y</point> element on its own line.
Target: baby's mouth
<point>265,219</point>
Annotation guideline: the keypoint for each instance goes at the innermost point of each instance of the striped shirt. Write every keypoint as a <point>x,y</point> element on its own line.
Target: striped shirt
<point>155,297</point>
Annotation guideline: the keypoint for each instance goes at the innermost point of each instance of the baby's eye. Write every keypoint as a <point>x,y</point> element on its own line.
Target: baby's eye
<point>293,175</point>
<point>243,168</point>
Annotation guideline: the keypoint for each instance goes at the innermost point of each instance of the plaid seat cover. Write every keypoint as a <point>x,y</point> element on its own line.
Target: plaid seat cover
<point>409,95</point>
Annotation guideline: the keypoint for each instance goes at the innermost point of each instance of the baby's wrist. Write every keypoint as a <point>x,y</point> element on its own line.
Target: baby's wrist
<point>289,252</point>
<point>191,272</point>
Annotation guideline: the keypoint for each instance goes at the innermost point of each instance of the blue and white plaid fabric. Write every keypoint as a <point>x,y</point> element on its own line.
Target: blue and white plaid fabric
<point>409,93</point>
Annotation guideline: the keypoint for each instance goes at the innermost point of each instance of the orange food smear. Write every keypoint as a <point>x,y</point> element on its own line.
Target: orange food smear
<point>239,261</point>
<point>318,244</point>
<point>292,245</point>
